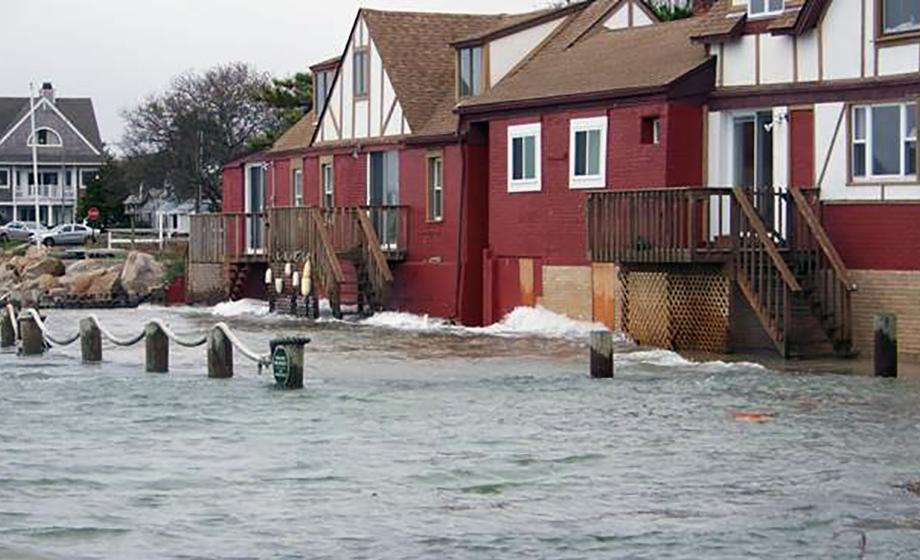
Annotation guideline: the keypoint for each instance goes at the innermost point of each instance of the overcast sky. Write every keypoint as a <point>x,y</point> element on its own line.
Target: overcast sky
<point>119,51</point>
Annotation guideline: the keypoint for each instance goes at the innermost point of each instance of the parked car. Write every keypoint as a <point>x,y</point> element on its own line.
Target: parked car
<point>16,231</point>
<point>68,234</point>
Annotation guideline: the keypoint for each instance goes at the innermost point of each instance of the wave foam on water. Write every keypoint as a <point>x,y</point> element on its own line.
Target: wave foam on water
<point>241,308</point>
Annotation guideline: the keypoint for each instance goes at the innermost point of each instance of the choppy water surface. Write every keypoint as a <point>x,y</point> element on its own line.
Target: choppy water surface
<point>446,445</point>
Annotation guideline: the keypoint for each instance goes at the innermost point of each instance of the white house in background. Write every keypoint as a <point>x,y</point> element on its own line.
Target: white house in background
<point>156,208</point>
<point>69,156</point>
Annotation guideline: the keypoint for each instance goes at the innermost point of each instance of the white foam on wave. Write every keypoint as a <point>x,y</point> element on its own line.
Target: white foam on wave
<point>539,321</point>
<point>669,359</point>
<point>397,320</point>
<point>241,308</point>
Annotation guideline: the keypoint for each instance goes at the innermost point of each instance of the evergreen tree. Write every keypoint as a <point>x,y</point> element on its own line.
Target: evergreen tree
<point>107,192</point>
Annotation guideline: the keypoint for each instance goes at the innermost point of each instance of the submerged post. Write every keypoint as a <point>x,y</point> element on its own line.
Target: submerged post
<point>886,346</point>
<point>33,341</point>
<point>220,355</point>
<point>90,341</point>
<point>287,361</point>
<point>157,349</point>
<point>602,355</point>
<point>7,329</point>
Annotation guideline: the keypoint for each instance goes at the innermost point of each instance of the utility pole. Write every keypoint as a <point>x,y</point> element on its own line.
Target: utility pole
<point>34,152</point>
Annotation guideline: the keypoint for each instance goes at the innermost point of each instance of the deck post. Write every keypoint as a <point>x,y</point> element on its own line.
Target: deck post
<point>220,355</point>
<point>157,346</point>
<point>90,341</point>
<point>886,346</point>
<point>33,341</point>
<point>7,330</point>
<point>287,361</point>
<point>602,354</point>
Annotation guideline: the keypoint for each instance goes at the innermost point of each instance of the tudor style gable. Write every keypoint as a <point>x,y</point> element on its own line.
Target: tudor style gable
<point>361,101</point>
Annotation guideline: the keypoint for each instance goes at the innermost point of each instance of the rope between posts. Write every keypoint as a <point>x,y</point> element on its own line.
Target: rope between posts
<point>66,341</point>
<point>187,343</point>
<point>11,311</point>
<point>131,341</point>
<point>261,360</point>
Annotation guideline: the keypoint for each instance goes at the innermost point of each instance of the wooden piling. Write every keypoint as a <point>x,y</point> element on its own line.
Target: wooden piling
<point>886,346</point>
<point>157,349</point>
<point>602,355</point>
<point>7,330</point>
<point>90,341</point>
<point>220,355</point>
<point>287,361</point>
<point>33,341</point>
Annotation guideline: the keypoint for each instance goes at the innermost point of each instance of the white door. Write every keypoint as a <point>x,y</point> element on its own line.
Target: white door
<point>255,205</point>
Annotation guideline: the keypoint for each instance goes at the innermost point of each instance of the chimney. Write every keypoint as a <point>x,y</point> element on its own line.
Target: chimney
<point>48,91</point>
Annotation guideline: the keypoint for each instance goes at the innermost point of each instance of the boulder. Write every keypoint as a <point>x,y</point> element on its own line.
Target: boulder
<point>36,252</point>
<point>87,265</point>
<point>96,282</point>
<point>42,266</point>
<point>141,274</point>
<point>42,284</point>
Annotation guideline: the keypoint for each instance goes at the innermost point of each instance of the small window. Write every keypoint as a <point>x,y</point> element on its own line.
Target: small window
<point>87,177</point>
<point>361,71</point>
<point>651,130</point>
<point>4,178</point>
<point>321,90</point>
<point>297,179</point>
<point>327,175</point>
<point>470,72</point>
<point>588,153</point>
<point>435,188</point>
<point>48,178</point>
<point>46,138</point>
<point>883,141</point>
<point>524,158</point>
<point>899,16</point>
<point>764,7</point>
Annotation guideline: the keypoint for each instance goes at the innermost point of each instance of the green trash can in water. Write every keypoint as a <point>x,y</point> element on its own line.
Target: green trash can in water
<point>287,361</point>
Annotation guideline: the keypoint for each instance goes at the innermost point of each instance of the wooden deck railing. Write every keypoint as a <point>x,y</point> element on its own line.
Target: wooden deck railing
<point>219,238</point>
<point>207,239</point>
<point>659,226</point>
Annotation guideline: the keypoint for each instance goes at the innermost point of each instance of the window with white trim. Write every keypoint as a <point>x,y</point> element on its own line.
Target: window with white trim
<point>47,138</point>
<point>524,158</point>
<point>298,187</point>
<point>764,7</point>
<point>361,70</point>
<point>900,16</point>
<point>884,141</point>
<point>588,153</point>
<point>327,177</point>
<point>435,188</point>
<point>4,178</point>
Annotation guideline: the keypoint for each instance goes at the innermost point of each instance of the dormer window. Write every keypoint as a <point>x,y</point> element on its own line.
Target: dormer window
<point>757,8</point>
<point>470,74</point>
<point>46,138</point>
<point>900,16</point>
<point>322,87</point>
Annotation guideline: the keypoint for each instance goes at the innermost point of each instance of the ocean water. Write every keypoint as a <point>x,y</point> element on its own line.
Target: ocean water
<point>416,439</point>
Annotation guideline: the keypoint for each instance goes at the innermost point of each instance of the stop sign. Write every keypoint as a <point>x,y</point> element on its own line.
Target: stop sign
<point>93,214</point>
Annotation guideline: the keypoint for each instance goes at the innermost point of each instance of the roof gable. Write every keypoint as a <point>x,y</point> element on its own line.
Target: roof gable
<point>74,117</point>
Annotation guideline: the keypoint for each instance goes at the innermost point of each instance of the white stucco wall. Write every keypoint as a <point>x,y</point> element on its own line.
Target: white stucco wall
<point>505,53</point>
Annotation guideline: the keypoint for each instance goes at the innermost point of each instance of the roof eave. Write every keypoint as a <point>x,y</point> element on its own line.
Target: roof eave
<point>519,26</point>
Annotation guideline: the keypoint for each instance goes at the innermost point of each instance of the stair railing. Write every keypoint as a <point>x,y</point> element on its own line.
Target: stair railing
<point>828,283</point>
<point>378,270</point>
<point>326,265</point>
<point>761,273</point>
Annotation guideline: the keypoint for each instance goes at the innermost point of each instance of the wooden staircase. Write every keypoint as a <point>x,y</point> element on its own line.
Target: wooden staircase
<point>349,265</point>
<point>792,276</point>
<point>238,276</point>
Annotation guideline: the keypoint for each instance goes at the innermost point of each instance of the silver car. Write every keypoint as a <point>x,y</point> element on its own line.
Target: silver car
<point>16,231</point>
<point>68,234</point>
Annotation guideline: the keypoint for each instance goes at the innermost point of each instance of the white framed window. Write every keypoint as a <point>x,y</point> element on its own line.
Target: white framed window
<point>900,16</point>
<point>435,188</point>
<point>524,152</point>
<point>883,142</point>
<point>47,138</point>
<point>588,153</point>
<point>361,70</point>
<point>298,187</point>
<point>322,87</point>
<point>5,178</point>
<point>765,7</point>
<point>327,177</point>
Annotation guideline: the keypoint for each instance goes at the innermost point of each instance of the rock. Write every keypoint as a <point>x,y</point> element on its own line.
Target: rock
<point>43,284</point>
<point>141,274</point>
<point>96,282</point>
<point>86,265</point>
<point>40,267</point>
<point>36,252</point>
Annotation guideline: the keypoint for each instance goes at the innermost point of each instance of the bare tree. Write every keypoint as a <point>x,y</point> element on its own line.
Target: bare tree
<point>182,137</point>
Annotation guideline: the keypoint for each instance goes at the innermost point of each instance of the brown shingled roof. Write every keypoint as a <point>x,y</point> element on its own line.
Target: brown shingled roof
<point>603,61</point>
<point>726,20</point>
<point>297,137</point>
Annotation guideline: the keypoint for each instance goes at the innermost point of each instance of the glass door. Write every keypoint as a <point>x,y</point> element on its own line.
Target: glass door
<point>753,162</point>
<point>383,196</point>
<point>255,206</point>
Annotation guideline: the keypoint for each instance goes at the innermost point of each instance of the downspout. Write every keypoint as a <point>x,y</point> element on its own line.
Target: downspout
<point>460,259</point>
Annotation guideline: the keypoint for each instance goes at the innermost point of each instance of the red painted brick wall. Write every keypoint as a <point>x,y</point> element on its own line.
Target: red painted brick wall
<point>233,189</point>
<point>683,137</point>
<point>875,236</point>
<point>802,154</point>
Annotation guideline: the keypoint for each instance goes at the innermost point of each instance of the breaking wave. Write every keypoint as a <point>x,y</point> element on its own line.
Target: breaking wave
<point>241,308</point>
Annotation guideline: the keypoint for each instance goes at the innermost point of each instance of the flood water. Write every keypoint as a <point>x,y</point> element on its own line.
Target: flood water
<point>440,443</point>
